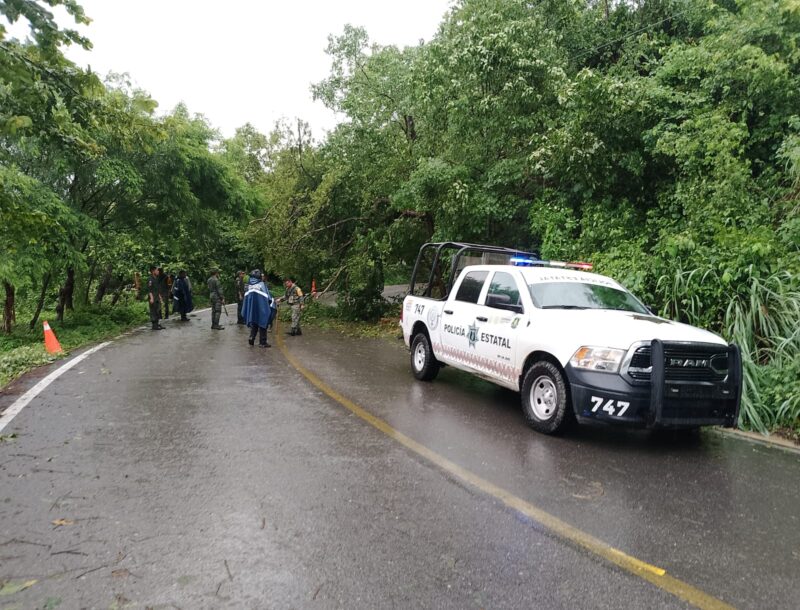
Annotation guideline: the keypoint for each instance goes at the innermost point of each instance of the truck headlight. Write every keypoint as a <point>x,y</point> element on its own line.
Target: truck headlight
<point>603,359</point>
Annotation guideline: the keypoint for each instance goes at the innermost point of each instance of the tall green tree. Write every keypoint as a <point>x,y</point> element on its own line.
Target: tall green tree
<point>89,167</point>
<point>657,138</point>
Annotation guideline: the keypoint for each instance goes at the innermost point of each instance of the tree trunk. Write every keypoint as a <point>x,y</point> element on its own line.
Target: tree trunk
<point>89,283</point>
<point>65,295</point>
<point>69,288</point>
<point>40,302</point>
<point>8,311</point>
<point>60,305</point>
<point>118,291</point>
<point>105,282</point>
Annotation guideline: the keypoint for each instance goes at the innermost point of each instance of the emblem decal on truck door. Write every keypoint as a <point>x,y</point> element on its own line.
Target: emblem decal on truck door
<point>472,335</point>
<point>433,318</point>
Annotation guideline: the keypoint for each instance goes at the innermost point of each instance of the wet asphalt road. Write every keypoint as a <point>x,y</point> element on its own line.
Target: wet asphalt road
<point>193,471</point>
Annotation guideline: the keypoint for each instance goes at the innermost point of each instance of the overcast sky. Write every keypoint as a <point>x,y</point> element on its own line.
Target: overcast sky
<point>241,61</point>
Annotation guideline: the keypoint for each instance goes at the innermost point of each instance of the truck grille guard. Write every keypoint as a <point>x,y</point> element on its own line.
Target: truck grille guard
<point>676,400</point>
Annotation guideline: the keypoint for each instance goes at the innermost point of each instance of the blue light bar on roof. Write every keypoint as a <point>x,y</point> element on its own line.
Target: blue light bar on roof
<point>524,261</point>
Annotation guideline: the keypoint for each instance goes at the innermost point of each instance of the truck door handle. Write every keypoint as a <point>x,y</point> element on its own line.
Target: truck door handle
<point>482,319</point>
<point>448,311</point>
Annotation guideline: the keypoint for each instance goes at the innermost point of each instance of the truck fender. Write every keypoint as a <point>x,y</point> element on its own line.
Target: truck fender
<point>419,327</point>
<point>536,356</point>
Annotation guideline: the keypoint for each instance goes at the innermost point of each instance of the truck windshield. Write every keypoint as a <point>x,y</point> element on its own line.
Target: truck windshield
<point>578,295</point>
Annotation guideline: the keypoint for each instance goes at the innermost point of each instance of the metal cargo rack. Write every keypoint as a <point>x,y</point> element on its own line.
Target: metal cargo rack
<point>463,254</point>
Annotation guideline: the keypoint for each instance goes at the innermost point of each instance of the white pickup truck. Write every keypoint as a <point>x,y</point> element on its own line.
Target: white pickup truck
<point>576,345</point>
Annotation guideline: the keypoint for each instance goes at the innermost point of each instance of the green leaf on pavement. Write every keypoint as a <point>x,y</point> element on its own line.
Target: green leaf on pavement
<point>15,586</point>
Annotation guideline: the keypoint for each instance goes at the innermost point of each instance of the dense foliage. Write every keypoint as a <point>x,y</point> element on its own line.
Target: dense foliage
<point>94,186</point>
<point>659,139</point>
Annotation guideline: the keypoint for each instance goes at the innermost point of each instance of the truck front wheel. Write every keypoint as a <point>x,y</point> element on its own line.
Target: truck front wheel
<point>423,362</point>
<point>545,398</point>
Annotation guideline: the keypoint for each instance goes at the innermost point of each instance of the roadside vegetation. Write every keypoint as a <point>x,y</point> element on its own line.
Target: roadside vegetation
<point>95,186</point>
<point>22,349</point>
<point>322,316</point>
<point>658,139</point>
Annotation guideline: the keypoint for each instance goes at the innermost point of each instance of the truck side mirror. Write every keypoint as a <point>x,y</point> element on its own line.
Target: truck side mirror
<point>502,301</point>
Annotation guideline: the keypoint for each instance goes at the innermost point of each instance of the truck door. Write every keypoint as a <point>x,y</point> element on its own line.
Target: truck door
<point>459,325</point>
<point>502,317</point>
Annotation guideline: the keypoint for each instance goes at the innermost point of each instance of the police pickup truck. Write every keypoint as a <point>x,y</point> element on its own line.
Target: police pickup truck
<point>575,344</point>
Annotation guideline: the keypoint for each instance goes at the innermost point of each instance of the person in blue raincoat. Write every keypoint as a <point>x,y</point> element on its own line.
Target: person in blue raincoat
<point>182,296</point>
<point>257,310</point>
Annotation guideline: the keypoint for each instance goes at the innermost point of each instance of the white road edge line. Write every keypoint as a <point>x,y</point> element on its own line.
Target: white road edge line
<point>28,396</point>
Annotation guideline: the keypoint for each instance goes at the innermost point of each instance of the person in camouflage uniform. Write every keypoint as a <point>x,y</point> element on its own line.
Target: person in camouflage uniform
<point>217,299</point>
<point>154,297</point>
<point>294,298</point>
<point>164,288</point>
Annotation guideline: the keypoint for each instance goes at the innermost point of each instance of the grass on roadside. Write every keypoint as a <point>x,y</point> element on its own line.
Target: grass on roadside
<point>23,349</point>
<point>322,316</point>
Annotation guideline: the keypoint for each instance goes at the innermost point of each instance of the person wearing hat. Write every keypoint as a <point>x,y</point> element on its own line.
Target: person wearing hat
<point>182,296</point>
<point>164,289</point>
<point>257,309</point>
<point>294,297</point>
<point>154,297</point>
<point>217,299</point>
<point>239,296</point>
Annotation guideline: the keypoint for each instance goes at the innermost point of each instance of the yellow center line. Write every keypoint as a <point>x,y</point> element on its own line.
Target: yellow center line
<point>652,574</point>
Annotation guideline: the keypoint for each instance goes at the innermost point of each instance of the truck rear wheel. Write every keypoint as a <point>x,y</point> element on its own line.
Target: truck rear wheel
<point>423,362</point>
<point>545,399</point>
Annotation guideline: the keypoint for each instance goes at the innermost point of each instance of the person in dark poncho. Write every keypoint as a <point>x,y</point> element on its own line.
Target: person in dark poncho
<point>182,296</point>
<point>257,310</point>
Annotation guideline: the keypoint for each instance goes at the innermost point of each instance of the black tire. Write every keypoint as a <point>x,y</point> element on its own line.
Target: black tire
<point>546,402</point>
<point>424,364</point>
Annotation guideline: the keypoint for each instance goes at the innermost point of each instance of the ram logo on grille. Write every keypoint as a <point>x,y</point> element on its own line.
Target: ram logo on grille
<point>688,363</point>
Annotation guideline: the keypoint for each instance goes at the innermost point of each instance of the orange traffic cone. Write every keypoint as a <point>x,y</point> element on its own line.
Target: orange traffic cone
<point>51,344</point>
